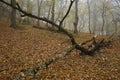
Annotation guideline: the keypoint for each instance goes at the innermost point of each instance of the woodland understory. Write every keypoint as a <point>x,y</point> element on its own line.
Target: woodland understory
<point>35,53</point>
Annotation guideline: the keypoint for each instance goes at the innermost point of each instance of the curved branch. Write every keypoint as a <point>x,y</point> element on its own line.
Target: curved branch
<point>46,20</point>
<point>96,47</point>
<point>66,14</point>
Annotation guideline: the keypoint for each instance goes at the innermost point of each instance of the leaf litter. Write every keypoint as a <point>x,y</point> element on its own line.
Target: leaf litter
<point>24,49</point>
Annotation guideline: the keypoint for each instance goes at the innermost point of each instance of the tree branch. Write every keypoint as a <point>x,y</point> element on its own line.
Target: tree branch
<point>75,45</point>
<point>45,64</point>
<point>44,19</point>
<point>66,14</point>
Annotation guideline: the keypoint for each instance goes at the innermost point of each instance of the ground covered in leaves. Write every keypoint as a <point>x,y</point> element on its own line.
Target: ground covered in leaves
<point>27,47</point>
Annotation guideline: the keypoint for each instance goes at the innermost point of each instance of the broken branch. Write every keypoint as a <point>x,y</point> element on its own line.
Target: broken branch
<point>47,63</point>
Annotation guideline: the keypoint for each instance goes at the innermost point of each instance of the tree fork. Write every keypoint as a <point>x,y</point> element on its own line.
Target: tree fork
<point>79,47</point>
<point>46,20</point>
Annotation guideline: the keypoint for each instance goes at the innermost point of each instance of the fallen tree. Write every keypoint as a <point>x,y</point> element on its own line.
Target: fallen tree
<point>94,47</point>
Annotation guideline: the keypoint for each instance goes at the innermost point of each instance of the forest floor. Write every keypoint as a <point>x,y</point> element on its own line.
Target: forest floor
<point>27,47</point>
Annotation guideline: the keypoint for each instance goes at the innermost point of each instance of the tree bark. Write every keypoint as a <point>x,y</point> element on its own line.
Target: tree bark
<point>53,12</point>
<point>88,2</point>
<point>46,63</point>
<point>13,14</point>
<point>39,10</point>
<point>103,20</point>
<point>76,17</point>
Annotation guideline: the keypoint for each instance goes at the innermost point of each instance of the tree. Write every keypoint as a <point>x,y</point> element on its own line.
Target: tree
<point>74,44</point>
<point>39,10</point>
<point>76,17</point>
<point>94,16</point>
<point>94,22</point>
<point>53,12</point>
<point>13,15</point>
<point>88,3</point>
<point>48,16</point>
<point>103,18</point>
<point>29,9</point>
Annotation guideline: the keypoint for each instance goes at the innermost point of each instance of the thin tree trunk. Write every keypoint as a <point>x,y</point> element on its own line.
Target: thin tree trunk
<point>103,20</point>
<point>39,10</point>
<point>53,12</point>
<point>13,15</point>
<point>89,15</point>
<point>48,16</point>
<point>94,19</point>
<point>28,10</point>
<point>76,17</point>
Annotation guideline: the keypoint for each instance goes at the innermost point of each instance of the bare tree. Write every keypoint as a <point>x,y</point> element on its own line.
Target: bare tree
<point>29,9</point>
<point>88,2</point>
<point>76,17</point>
<point>53,12</point>
<point>103,18</point>
<point>39,10</point>
<point>13,15</point>
<point>94,18</point>
<point>48,16</point>
<point>74,44</point>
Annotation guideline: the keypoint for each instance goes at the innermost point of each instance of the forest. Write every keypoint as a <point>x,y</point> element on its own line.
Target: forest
<point>59,39</point>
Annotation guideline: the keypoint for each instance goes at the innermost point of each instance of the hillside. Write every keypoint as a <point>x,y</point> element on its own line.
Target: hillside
<point>27,47</point>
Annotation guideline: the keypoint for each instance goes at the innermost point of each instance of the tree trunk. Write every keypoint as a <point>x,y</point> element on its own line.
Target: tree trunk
<point>94,19</point>
<point>39,10</point>
<point>48,16</point>
<point>13,15</point>
<point>29,10</point>
<point>76,17</point>
<point>53,12</point>
<point>88,2</point>
<point>103,20</point>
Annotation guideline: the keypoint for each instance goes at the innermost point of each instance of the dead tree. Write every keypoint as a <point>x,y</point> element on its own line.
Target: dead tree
<point>95,46</point>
